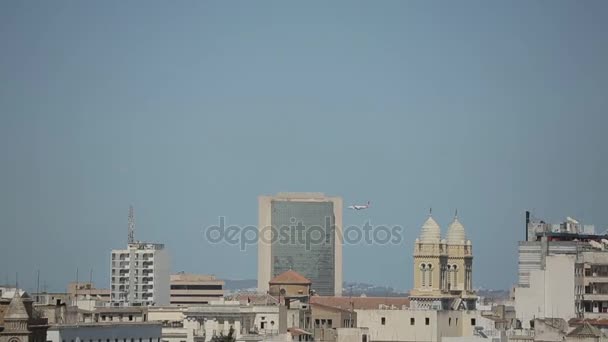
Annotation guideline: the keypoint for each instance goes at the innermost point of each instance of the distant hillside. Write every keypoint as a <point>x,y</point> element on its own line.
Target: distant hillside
<point>350,288</point>
<point>356,289</point>
<point>240,285</point>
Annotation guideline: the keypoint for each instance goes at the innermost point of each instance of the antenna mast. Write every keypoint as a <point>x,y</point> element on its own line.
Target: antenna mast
<point>131,238</point>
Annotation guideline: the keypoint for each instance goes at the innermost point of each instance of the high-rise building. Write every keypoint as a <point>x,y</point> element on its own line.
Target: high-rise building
<point>301,232</point>
<point>443,268</point>
<point>140,275</point>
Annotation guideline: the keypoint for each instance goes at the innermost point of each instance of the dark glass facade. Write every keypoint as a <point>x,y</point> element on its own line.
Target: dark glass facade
<point>304,241</point>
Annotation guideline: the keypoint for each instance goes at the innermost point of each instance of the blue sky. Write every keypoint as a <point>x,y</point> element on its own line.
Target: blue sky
<point>190,110</point>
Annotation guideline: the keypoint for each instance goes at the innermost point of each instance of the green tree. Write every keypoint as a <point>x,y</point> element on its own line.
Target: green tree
<point>222,338</point>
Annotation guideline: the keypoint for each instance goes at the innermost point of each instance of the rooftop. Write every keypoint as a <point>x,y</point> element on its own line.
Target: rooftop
<point>362,303</point>
<point>290,277</point>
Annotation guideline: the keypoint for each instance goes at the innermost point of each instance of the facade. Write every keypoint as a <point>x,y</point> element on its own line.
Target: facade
<point>302,232</point>
<point>19,322</point>
<point>105,332</point>
<point>563,272</point>
<point>195,289</point>
<point>551,291</point>
<point>542,239</point>
<point>140,275</point>
<point>443,268</point>
<point>417,325</point>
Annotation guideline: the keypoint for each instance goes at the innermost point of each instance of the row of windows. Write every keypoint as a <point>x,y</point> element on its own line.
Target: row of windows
<point>196,287</point>
<point>427,321</point>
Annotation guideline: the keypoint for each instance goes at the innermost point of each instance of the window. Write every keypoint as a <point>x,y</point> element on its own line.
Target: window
<point>456,321</point>
<point>449,321</point>
<point>383,320</point>
<point>317,323</point>
<point>329,323</point>
<point>412,321</point>
<point>427,321</point>
<point>130,319</point>
<point>473,321</point>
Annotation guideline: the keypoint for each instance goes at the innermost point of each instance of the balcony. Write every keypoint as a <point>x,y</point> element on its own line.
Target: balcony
<point>595,279</point>
<point>596,296</point>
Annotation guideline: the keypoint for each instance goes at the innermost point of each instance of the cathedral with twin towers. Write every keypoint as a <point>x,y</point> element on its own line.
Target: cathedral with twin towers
<point>443,268</point>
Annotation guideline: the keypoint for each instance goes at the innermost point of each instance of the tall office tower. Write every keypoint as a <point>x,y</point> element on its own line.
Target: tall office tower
<point>301,232</point>
<point>140,273</point>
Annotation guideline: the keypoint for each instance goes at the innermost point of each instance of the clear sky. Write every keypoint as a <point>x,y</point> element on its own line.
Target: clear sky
<point>189,110</point>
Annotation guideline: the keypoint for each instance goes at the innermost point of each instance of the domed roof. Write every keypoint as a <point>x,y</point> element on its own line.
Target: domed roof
<point>16,309</point>
<point>430,232</point>
<point>456,234</point>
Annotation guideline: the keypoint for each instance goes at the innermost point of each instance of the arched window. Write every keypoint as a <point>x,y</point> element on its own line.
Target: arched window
<point>430,271</point>
<point>423,273</point>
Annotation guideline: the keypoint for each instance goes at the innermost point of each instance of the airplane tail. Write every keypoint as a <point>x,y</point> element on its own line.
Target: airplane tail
<point>368,204</point>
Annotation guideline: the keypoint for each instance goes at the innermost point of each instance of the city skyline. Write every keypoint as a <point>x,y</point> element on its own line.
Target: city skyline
<point>190,113</point>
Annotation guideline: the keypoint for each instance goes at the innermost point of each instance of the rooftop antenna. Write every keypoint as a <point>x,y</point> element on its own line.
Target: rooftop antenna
<point>131,238</point>
<point>38,287</point>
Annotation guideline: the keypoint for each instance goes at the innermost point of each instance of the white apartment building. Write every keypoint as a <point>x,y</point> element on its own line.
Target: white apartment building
<point>140,275</point>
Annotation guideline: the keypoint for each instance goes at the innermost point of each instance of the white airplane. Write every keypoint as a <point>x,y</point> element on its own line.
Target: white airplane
<point>359,206</point>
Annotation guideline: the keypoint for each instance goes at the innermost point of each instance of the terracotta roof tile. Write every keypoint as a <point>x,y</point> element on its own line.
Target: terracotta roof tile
<point>290,277</point>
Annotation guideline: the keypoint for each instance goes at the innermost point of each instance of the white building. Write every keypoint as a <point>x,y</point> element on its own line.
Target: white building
<point>140,275</point>
<point>105,332</point>
<point>550,293</point>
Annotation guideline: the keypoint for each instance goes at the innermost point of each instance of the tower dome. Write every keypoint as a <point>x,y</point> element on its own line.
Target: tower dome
<point>456,234</point>
<point>430,232</point>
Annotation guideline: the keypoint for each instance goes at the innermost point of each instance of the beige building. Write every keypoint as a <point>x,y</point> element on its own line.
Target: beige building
<point>302,232</point>
<point>443,268</point>
<point>195,289</point>
<point>85,290</point>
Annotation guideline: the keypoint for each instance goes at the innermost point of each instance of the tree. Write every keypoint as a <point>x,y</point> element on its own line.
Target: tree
<point>222,338</point>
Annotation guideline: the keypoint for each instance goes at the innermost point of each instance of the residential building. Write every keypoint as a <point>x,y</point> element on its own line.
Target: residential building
<point>563,272</point>
<point>195,289</point>
<point>87,290</point>
<point>551,291</point>
<point>542,239</point>
<point>302,232</point>
<point>140,275</point>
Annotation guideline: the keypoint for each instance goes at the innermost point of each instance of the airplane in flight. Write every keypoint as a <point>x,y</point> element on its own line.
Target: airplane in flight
<point>359,206</point>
